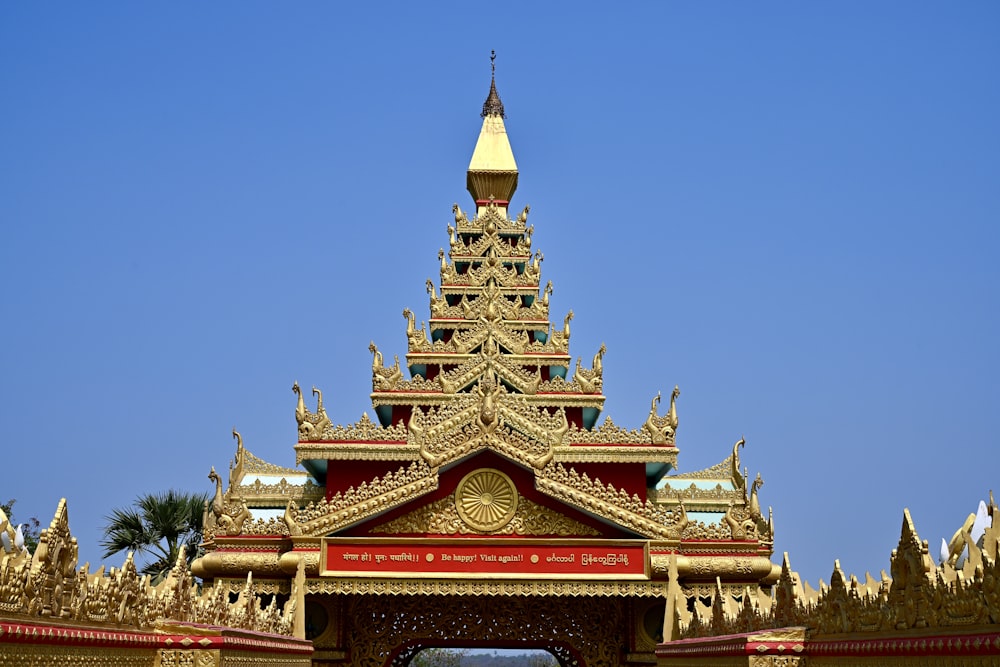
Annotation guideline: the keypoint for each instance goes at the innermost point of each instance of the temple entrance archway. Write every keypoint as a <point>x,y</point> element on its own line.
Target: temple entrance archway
<point>388,631</point>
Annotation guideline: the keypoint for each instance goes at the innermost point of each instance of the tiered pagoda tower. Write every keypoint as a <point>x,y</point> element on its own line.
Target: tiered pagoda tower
<point>484,502</point>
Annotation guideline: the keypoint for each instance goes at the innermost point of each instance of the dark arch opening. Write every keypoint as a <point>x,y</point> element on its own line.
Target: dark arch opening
<point>437,653</point>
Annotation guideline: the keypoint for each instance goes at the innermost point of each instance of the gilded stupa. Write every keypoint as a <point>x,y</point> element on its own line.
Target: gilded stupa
<point>487,503</point>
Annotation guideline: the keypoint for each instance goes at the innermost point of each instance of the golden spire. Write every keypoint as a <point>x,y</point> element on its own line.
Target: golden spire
<point>492,172</point>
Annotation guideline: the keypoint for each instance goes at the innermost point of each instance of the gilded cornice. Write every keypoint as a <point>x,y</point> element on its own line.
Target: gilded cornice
<point>720,471</point>
<point>715,497</point>
<point>252,465</point>
<point>277,495</point>
<point>439,398</point>
<point>485,587</point>
<point>608,433</point>
<point>353,451</point>
<point>464,587</point>
<point>458,359</point>
<point>574,453</point>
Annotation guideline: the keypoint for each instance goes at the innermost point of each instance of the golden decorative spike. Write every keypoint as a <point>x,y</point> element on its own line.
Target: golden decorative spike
<point>237,466</point>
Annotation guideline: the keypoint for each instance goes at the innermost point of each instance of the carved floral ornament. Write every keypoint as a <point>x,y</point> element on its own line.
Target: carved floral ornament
<point>486,499</point>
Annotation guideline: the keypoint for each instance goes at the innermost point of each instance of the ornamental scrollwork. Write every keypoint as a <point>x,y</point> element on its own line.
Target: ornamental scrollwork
<point>919,597</point>
<point>641,515</point>
<point>365,500</point>
<point>375,630</point>
<point>49,585</point>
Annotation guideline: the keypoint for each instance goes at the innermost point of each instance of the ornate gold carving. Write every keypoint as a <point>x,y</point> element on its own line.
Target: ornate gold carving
<point>661,430</point>
<point>720,470</point>
<point>49,586</point>
<point>364,430</point>
<point>919,598</point>
<point>486,587</point>
<point>642,516</point>
<point>14,552</point>
<point>489,417</point>
<point>226,517</point>
<point>591,380</point>
<point>278,495</point>
<point>417,338</point>
<point>186,658</point>
<point>592,635</point>
<point>608,433</point>
<point>383,379</point>
<point>310,425</point>
<point>356,504</point>
<point>560,339</point>
<point>441,518</point>
<point>486,499</point>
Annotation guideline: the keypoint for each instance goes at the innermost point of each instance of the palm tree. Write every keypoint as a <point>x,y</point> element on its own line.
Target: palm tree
<point>158,524</point>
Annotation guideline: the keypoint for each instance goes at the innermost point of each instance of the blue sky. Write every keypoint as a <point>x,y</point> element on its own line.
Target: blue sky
<point>790,210</point>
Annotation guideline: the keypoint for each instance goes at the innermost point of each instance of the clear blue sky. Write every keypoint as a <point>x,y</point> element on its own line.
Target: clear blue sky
<point>790,210</point>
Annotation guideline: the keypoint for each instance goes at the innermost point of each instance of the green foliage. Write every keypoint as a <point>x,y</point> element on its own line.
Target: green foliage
<point>157,525</point>
<point>31,529</point>
<point>439,657</point>
<point>542,659</point>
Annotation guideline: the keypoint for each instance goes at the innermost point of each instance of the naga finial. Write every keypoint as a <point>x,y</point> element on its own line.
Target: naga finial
<point>522,218</point>
<point>236,467</point>
<point>739,481</point>
<point>672,414</point>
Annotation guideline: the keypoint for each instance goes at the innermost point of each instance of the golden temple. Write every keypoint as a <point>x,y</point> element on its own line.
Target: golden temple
<point>486,487</point>
<point>487,505</point>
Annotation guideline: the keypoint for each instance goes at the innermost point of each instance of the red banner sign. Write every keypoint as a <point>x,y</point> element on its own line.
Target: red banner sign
<point>550,559</point>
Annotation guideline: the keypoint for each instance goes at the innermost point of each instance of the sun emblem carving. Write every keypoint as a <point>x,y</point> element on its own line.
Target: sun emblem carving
<point>486,499</point>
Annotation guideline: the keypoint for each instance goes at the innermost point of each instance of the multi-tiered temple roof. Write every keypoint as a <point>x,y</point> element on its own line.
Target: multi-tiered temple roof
<point>489,428</point>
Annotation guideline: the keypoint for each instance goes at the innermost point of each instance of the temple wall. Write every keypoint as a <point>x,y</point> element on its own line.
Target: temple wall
<point>794,647</point>
<point>52,644</point>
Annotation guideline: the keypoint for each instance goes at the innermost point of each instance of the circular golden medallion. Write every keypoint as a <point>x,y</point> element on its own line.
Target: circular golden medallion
<point>486,499</point>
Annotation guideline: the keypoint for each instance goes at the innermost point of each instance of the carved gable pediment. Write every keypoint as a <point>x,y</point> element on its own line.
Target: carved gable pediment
<point>465,513</point>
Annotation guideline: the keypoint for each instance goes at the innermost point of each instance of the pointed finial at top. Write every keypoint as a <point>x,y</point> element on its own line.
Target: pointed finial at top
<point>493,106</point>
